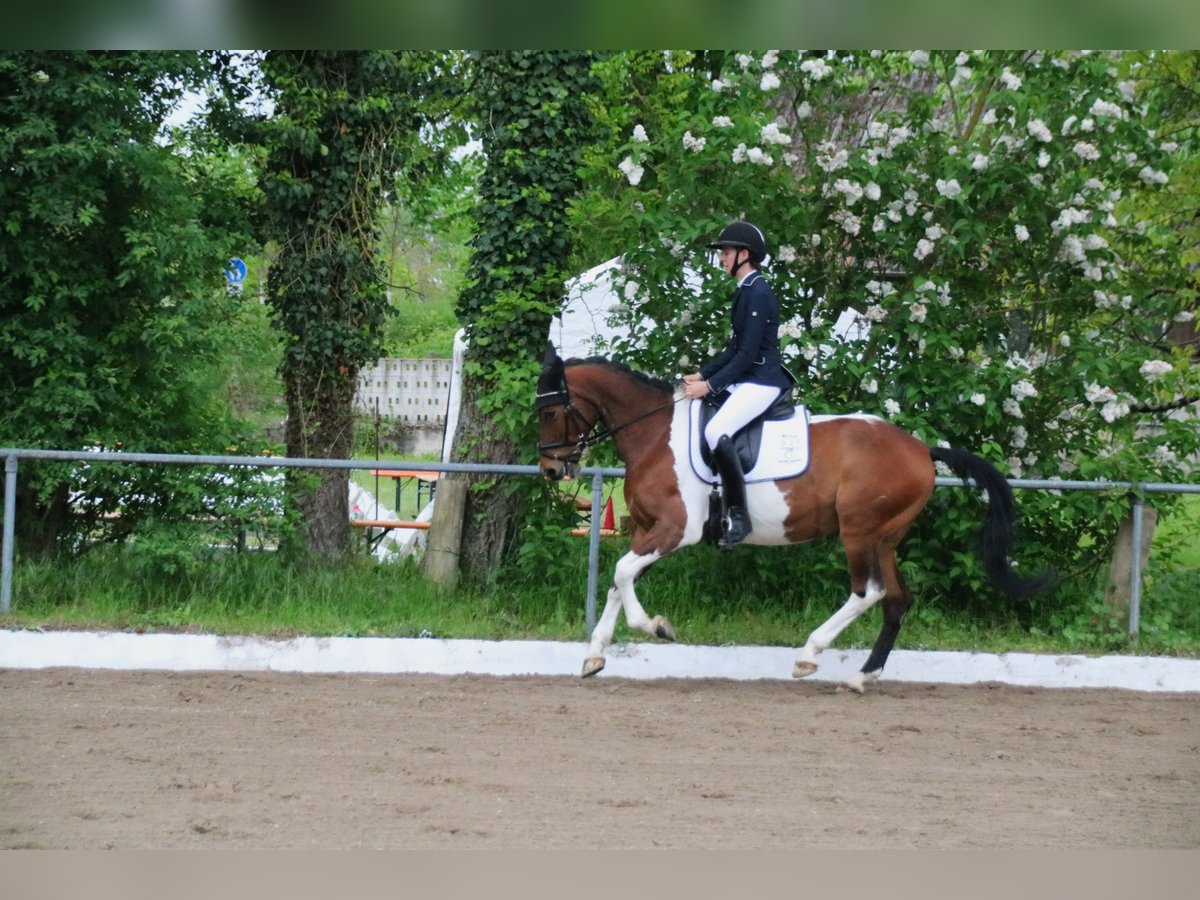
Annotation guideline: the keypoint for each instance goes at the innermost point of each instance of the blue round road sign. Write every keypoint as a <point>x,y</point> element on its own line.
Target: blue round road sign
<point>236,271</point>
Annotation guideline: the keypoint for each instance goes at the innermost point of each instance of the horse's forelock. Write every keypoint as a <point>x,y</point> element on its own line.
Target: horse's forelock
<point>551,376</point>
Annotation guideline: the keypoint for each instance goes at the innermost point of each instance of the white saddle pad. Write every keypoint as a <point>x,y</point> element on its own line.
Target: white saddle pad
<point>783,453</point>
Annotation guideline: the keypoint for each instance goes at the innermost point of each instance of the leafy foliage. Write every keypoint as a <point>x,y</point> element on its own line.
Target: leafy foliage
<point>342,123</point>
<point>113,312</point>
<point>983,215</point>
<point>535,122</point>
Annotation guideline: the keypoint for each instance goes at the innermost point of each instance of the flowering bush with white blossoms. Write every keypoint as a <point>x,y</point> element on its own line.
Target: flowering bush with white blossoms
<point>996,194</point>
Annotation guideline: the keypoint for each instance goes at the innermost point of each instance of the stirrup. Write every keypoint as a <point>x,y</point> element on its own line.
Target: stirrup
<point>733,531</point>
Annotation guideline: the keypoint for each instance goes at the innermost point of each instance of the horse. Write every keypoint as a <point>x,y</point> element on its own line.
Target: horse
<point>866,482</point>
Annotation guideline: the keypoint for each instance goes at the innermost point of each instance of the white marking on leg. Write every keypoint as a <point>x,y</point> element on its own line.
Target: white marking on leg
<point>621,596</point>
<point>603,632</point>
<point>628,568</point>
<point>826,633</point>
<point>859,681</point>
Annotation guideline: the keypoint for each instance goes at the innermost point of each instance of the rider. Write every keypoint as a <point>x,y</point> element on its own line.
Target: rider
<point>750,367</point>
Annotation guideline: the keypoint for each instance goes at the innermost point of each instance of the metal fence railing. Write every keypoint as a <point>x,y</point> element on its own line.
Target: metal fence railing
<point>1134,489</point>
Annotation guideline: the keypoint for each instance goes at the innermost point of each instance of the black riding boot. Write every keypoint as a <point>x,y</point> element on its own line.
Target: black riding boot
<point>733,489</point>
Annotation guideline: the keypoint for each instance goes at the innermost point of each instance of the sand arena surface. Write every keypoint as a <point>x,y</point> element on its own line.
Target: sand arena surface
<point>98,759</point>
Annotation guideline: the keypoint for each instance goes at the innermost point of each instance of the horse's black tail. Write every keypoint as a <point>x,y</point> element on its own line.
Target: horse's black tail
<point>1000,525</point>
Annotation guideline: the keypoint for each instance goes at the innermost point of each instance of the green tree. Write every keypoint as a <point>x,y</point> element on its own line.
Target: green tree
<point>534,120</point>
<point>1170,85</point>
<point>113,308</point>
<point>342,126</point>
<point>983,213</point>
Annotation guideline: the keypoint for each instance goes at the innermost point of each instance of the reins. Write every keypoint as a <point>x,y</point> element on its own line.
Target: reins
<point>587,439</point>
<point>609,432</point>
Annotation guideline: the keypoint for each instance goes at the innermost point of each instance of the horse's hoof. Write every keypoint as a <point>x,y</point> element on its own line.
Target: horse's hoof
<point>592,665</point>
<point>663,629</point>
<point>803,669</point>
<point>856,684</point>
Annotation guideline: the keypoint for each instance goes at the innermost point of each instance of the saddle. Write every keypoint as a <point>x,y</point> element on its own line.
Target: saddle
<point>771,447</point>
<point>748,440</point>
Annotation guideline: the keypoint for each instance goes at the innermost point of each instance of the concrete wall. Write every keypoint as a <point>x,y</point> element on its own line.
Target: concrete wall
<point>412,391</point>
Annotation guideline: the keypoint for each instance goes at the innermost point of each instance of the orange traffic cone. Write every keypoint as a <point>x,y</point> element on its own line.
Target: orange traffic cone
<point>609,523</point>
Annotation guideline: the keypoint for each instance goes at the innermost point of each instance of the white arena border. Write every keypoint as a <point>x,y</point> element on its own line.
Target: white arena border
<point>34,649</point>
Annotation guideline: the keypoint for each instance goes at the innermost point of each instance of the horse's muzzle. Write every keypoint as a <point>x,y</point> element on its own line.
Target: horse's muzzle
<point>559,469</point>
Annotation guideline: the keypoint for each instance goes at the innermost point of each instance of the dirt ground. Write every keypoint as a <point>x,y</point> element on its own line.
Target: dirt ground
<point>103,759</point>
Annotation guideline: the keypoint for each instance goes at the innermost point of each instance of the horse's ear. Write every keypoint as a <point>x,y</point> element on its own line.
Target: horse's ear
<point>551,377</point>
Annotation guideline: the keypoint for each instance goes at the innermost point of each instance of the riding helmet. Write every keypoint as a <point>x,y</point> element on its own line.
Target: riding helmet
<point>743,234</point>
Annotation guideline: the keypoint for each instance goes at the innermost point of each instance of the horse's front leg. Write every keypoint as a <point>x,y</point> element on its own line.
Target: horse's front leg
<point>622,596</point>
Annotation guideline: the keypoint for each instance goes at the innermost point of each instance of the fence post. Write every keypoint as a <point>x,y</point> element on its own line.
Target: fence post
<point>1135,567</point>
<point>1130,554</point>
<point>10,516</point>
<point>444,542</point>
<point>594,552</point>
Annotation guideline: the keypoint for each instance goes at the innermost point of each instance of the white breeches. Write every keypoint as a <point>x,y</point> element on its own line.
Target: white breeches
<point>746,400</point>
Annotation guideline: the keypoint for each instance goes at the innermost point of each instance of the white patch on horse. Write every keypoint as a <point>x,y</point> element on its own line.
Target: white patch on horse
<point>692,489</point>
<point>768,511</point>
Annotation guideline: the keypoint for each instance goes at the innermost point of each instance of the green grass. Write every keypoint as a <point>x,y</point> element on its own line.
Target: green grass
<point>1179,533</point>
<point>708,600</point>
<point>764,596</point>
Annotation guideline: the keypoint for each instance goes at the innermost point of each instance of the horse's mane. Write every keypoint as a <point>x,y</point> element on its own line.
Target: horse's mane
<point>649,380</point>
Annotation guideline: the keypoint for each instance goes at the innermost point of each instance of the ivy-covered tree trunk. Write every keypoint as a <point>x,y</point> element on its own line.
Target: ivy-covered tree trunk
<point>535,122</point>
<point>341,122</point>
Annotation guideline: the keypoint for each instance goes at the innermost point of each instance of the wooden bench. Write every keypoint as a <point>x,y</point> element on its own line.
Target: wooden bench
<point>585,532</point>
<point>385,526</point>
<point>426,482</point>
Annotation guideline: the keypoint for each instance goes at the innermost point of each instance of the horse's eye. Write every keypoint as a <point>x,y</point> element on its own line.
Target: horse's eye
<point>548,415</point>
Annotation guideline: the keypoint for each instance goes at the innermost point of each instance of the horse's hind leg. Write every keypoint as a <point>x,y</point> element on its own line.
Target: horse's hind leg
<point>897,601</point>
<point>622,596</point>
<point>866,589</point>
<point>895,608</point>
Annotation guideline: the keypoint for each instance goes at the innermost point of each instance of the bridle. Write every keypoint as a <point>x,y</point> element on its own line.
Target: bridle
<point>584,439</point>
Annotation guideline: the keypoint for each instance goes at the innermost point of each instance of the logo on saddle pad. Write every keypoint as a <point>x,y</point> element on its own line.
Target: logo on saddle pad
<point>768,449</point>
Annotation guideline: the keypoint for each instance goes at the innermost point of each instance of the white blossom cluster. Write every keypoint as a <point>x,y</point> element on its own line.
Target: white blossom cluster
<point>1038,129</point>
<point>1093,139</point>
<point>756,155</point>
<point>850,223</point>
<point>1154,369</point>
<point>949,188</point>
<point>1152,177</point>
<point>816,69</point>
<point>1103,109</point>
<point>675,247</point>
<point>772,135</point>
<point>831,158</point>
<point>1112,407</point>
